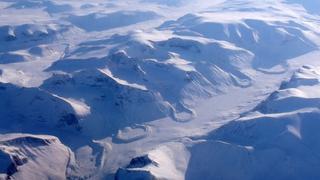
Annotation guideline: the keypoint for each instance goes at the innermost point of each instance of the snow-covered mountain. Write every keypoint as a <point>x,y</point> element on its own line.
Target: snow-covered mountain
<point>22,155</point>
<point>278,139</point>
<point>159,89</point>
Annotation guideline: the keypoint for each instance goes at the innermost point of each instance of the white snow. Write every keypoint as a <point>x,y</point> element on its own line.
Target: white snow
<point>34,157</point>
<point>283,142</point>
<point>80,108</point>
<point>167,89</point>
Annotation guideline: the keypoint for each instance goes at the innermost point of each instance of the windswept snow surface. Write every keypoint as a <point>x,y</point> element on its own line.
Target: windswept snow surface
<point>159,89</point>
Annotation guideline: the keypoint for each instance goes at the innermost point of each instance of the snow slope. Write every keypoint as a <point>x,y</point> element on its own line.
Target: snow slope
<point>159,89</point>
<point>276,141</point>
<point>28,109</point>
<point>99,22</point>
<point>256,34</point>
<point>310,6</point>
<point>21,155</point>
